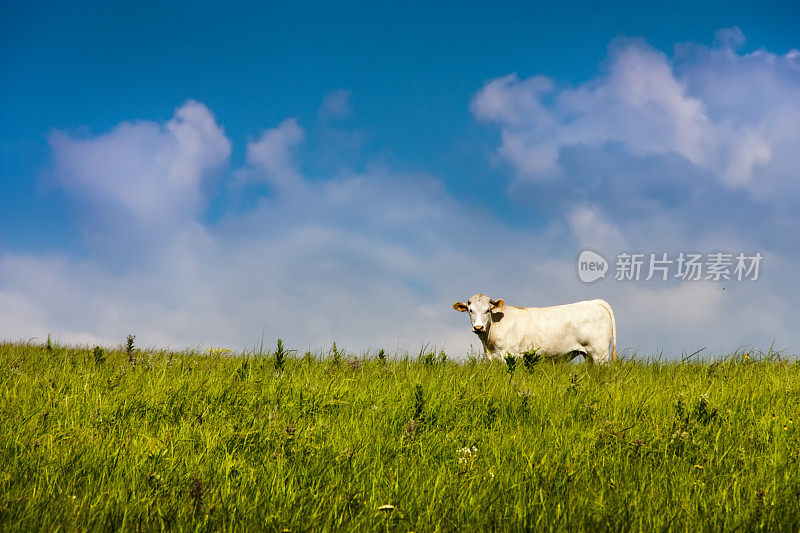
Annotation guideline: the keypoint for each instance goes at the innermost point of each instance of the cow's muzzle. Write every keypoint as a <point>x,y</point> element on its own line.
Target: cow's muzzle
<point>477,329</point>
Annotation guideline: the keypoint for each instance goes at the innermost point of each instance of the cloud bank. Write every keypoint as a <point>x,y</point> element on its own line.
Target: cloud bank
<point>692,151</point>
<point>660,153</point>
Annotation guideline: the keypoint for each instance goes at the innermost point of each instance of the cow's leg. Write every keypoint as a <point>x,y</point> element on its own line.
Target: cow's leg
<point>596,353</point>
<point>603,355</point>
<point>584,348</point>
<point>576,353</point>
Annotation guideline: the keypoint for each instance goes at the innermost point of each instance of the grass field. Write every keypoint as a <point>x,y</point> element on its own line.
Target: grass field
<point>111,439</point>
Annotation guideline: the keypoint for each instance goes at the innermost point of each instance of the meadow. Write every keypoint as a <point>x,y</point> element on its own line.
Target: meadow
<point>127,439</point>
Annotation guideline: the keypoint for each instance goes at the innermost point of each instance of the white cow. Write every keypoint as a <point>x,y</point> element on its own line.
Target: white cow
<point>561,331</point>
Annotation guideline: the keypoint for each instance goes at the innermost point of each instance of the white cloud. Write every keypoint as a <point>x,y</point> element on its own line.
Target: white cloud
<point>731,38</point>
<point>694,138</point>
<point>151,174</point>
<point>726,113</point>
<point>590,228</point>
<point>271,156</point>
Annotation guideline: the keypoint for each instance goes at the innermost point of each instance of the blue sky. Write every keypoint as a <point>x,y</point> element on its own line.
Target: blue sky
<point>395,108</point>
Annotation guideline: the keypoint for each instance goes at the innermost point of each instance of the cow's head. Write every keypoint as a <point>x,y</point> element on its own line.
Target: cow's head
<point>480,308</point>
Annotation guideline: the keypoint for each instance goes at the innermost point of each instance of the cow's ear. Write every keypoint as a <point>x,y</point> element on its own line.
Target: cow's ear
<point>458,306</point>
<point>497,303</point>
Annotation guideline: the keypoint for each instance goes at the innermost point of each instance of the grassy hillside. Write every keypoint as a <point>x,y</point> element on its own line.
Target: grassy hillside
<point>91,439</point>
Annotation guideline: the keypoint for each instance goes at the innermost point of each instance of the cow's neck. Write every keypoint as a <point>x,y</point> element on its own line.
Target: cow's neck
<point>493,333</point>
<point>488,340</point>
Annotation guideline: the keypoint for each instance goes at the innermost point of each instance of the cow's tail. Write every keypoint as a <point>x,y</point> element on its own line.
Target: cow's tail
<point>607,307</point>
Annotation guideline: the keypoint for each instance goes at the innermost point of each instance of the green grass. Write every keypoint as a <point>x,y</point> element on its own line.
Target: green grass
<point>90,440</point>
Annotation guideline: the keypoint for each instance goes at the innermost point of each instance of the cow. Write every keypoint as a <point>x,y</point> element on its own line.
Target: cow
<point>563,331</point>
